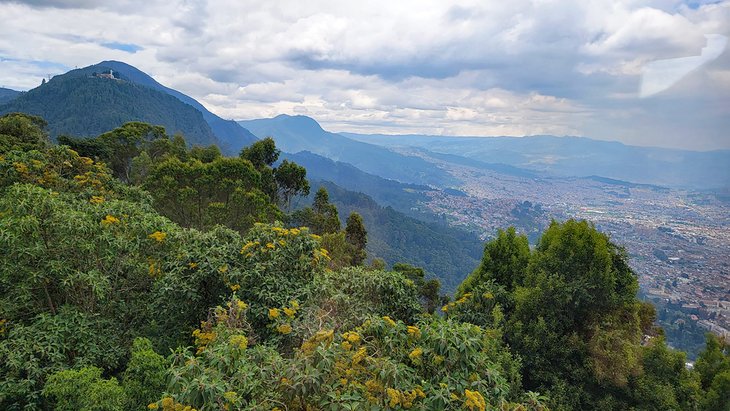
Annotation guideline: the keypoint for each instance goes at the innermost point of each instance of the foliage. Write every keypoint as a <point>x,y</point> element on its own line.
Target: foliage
<point>290,181</point>
<point>200,195</point>
<point>84,390</point>
<point>50,343</point>
<point>428,290</point>
<point>382,364</point>
<point>345,298</point>
<point>22,132</point>
<point>505,261</point>
<point>444,252</point>
<point>713,366</point>
<point>322,217</point>
<point>277,266</point>
<point>262,153</point>
<point>145,376</point>
<point>78,104</point>
<point>94,280</point>
<point>357,237</point>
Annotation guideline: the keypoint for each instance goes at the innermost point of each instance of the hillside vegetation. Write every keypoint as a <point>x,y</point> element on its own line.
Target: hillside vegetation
<point>138,273</point>
<point>79,104</point>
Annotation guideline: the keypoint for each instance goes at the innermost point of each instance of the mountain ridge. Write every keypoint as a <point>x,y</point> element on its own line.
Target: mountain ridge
<point>228,132</point>
<point>301,133</point>
<point>83,103</point>
<point>578,157</point>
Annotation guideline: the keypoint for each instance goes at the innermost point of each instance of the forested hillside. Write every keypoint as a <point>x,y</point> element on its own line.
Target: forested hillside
<point>7,94</point>
<point>229,133</point>
<point>80,104</point>
<point>139,273</point>
<point>443,251</point>
<point>405,198</point>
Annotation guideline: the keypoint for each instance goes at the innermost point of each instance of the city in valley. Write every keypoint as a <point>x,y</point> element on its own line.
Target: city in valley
<point>678,241</point>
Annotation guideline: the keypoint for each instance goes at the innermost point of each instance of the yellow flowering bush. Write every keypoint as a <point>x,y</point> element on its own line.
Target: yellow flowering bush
<point>158,236</point>
<point>109,220</point>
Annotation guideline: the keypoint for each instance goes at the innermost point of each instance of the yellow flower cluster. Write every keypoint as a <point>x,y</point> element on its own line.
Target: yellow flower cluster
<point>473,400</point>
<point>273,313</point>
<point>323,336</point>
<point>359,356</point>
<point>89,179</point>
<point>239,341</point>
<point>21,168</point>
<point>235,287</point>
<point>109,220</point>
<point>203,338</point>
<point>192,265</point>
<point>403,398</point>
<point>351,337</point>
<point>461,300</point>
<point>250,244</point>
<point>223,269</point>
<point>289,311</point>
<point>285,232</point>
<point>154,268</point>
<point>389,321</point>
<point>413,331</point>
<point>96,199</point>
<point>230,396</point>
<point>284,329</point>
<point>438,359</point>
<point>158,236</point>
<point>416,355</point>
<point>168,404</point>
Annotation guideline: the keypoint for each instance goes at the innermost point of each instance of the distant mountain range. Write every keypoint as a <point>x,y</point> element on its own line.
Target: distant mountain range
<point>300,133</point>
<point>578,157</point>
<point>7,94</point>
<point>87,102</point>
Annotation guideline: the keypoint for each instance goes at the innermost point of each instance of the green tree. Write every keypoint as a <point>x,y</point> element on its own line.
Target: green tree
<point>23,132</point>
<point>356,235</point>
<point>505,261</point>
<point>713,366</point>
<point>198,194</point>
<point>262,153</point>
<point>291,181</point>
<point>84,390</point>
<point>428,289</point>
<point>144,380</point>
<point>322,217</point>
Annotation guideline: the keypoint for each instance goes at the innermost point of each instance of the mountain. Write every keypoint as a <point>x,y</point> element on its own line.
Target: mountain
<point>401,196</point>
<point>7,94</point>
<point>300,133</point>
<point>447,253</point>
<point>579,157</point>
<point>82,103</point>
<point>229,133</point>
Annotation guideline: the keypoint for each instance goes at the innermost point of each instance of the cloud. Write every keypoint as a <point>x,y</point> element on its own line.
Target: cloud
<point>476,67</point>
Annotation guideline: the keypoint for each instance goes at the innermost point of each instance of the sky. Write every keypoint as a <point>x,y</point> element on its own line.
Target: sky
<point>651,73</point>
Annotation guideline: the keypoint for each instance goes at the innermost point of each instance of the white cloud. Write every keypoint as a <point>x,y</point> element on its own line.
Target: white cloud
<point>518,67</point>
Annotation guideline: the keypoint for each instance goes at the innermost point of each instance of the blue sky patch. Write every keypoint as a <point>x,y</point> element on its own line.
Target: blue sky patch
<point>128,47</point>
